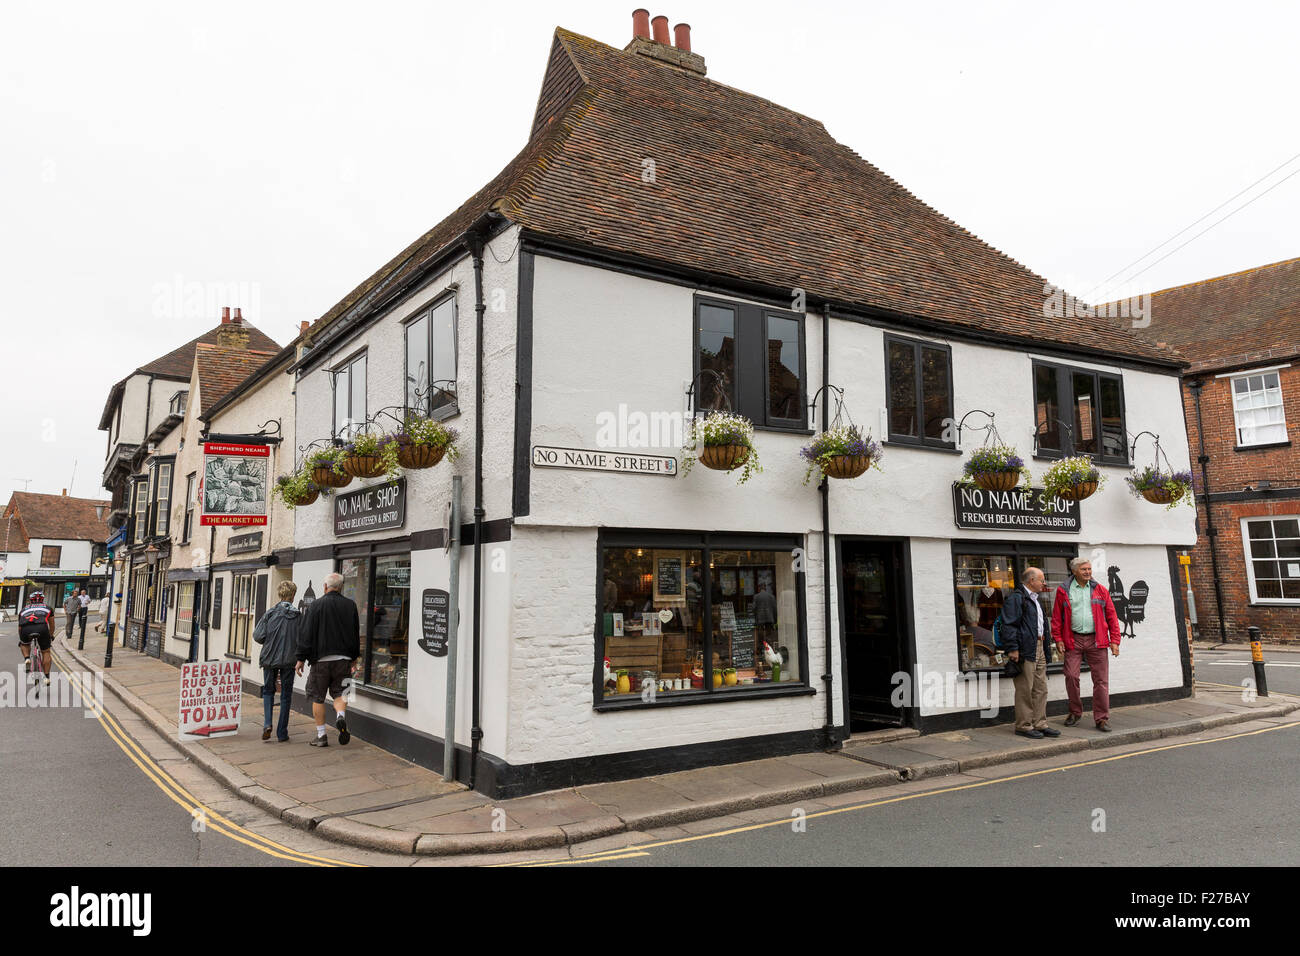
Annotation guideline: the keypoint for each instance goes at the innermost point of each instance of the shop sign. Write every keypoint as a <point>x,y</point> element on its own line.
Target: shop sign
<point>594,459</point>
<point>371,509</point>
<point>398,577</point>
<point>244,543</point>
<point>434,605</point>
<point>211,695</point>
<point>1021,509</point>
<point>233,489</point>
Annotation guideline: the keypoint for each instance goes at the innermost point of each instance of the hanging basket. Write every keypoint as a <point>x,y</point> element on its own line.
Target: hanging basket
<point>847,466</point>
<point>997,480</point>
<point>329,478</point>
<point>1160,495</point>
<point>1078,492</point>
<point>307,499</point>
<point>723,457</point>
<point>415,456</point>
<point>363,466</point>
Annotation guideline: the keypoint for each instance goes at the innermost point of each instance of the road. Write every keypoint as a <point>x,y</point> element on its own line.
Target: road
<point>1281,668</point>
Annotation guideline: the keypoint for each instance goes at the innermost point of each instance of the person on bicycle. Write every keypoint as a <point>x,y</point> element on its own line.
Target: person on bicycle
<point>36,621</point>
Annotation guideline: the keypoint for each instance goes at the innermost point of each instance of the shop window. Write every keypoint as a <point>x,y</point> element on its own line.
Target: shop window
<point>140,489</point>
<point>1093,421</point>
<point>381,588</point>
<point>919,391</point>
<point>431,361</point>
<point>184,610</point>
<point>703,620</point>
<point>159,595</point>
<point>1257,409</point>
<point>750,360</point>
<point>51,554</point>
<point>983,577</point>
<point>241,614</point>
<point>349,397</point>
<point>139,592</point>
<point>1273,558</point>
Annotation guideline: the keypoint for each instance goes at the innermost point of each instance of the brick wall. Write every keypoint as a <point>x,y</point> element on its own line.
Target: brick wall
<point>1232,470</point>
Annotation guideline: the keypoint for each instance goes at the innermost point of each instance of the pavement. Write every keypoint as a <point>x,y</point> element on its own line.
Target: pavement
<point>365,797</point>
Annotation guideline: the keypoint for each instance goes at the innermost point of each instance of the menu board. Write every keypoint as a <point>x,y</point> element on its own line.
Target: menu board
<point>433,621</point>
<point>742,643</point>
<point>668,577</point>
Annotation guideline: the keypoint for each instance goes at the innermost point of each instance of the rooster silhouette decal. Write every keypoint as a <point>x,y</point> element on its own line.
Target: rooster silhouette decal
<point>1130,608</point>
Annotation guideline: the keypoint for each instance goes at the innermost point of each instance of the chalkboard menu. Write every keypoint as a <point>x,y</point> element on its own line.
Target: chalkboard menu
<point>217,586</point>
<point>742,643</point>
<point>669,577</point>
<point>434,621</point>
<point>153,642</point>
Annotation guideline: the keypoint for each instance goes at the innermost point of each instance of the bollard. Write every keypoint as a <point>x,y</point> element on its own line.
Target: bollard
<point>1257,659</point>
<point>108,647</point>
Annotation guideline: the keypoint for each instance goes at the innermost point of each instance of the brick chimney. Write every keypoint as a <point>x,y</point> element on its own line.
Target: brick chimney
<point>658,48</point>
<point>233,334</point>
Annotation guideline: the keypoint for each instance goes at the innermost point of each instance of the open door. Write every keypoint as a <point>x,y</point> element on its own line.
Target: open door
<point>874,617</point>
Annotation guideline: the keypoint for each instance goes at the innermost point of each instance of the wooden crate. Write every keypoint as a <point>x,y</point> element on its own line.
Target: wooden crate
<point>633,654</point>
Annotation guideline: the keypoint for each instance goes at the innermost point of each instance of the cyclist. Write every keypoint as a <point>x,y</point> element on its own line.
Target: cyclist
<point>36,621</point>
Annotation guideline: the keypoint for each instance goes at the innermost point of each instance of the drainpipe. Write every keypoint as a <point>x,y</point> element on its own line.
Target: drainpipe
<point>1210,531</point>
<point>827,678</point>
<point>476,731</point>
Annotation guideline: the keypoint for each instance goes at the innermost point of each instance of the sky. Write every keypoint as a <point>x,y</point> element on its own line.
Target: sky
<point>161,160</point>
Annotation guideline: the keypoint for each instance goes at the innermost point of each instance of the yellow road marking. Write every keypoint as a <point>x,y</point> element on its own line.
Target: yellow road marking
<point>613,855</point>
<point>177,793</point>
<point>607,854</point>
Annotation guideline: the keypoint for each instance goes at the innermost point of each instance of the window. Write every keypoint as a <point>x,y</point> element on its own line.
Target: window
<point>1257,408</point>
<point>159,596</point>
<point>381,587</point>
<point>983,576</point>
<point>1079,412</point>
<point>188,528</point>
<point>919,391</point>
<point>1273,558</point>
<point>431,361</point>
<point>139,592</point>
<point>141,508</point>
<point>241,614</point>
<point>668,604</point>
<point>51,555</point>
<point>177,404</point>
<point>750,359</point>
<point>185,610</point>
<point>349,397</point>
<point>162,503</point>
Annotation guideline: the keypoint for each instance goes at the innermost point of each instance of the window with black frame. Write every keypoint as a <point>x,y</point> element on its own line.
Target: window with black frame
<point>1079,411</point>
<point>698,615</point>
<point>919,392</point>
<point>380,585</point>
<point>750,360</point>
<point>349,381</point>
<point>431,361</point>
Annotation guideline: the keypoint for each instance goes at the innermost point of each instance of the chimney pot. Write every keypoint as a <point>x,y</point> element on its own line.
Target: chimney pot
<point>65,492</point>
<point>660,25</point>
<point>682,37</point>
<point>225,314</point>
<point>304,326</point>
<point>641,23</point>
<point>239,317</point>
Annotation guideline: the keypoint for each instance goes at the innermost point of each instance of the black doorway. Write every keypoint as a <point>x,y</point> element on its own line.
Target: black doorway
<point>874,625</point>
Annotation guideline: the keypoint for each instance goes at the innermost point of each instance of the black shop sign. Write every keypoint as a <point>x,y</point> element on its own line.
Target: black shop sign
<point>380,508</point>
<point>1021,509</point>
<point>434,607</point>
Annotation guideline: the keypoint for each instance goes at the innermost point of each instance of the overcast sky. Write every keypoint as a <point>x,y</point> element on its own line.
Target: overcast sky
<point>272,155</point>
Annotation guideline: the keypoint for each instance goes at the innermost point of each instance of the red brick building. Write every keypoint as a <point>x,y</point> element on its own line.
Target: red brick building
<point>1241,395</point>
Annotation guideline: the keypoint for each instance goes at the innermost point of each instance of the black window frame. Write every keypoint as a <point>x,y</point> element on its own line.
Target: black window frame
<point>187,523</point>
<point>750,362</point>
<point>705,542</point>
<point>1065,401</point>
<point>918,396</point>
<point>451,409</point>
<point>369,552</point>
<point>139,486</point>
<point>345,367</point>
<point>156,505</point>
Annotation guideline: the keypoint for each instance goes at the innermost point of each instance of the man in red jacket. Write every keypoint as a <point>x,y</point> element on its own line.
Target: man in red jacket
<point>1084,624</point>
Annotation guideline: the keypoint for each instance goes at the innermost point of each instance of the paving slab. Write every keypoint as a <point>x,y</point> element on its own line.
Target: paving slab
<point>552,809</point>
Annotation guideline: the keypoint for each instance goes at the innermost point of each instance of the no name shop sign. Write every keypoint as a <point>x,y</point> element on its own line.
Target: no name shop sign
<point>1021,509</point>
<point>594,459</point>
<point>371,509</point>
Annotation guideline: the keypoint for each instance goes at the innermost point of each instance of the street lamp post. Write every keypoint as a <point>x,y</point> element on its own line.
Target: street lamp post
<point>110,624</point>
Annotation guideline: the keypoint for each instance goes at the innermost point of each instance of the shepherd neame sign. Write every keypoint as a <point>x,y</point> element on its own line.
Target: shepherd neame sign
<point>1021,509</point>
<point>371,509</point>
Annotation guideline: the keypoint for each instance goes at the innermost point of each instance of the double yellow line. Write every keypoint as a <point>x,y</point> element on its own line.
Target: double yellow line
<point>178,794</point>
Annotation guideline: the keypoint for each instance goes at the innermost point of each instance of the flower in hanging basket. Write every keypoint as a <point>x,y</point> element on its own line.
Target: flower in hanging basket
<point>297,489</point>
<point>1073,479</point>
<point>369,456</point>
<point>841,452</point>
<point>325,467</point>
<point>995,468</point>
<point>721,441</point>
<point>1162,487</point>
<point>422,442</point>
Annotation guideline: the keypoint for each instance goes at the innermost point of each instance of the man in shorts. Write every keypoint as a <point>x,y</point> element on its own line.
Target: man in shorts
<point>36,622</point>
<point>329,639</point>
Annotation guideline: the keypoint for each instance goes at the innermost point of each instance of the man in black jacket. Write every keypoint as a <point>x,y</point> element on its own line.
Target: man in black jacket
<point>1027,636</point>
<point>330,640</point>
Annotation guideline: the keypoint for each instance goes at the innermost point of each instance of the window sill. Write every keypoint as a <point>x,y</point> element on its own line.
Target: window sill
<point>917,446</point>
<point>786,429</point>
<point>379,693</point>
<point>1272,444</point>
<point>1126,465</point>
<point>681,698</point>
<point>1275,603</point>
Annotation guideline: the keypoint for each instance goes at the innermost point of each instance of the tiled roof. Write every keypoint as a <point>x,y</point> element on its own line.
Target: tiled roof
<point>59,516</point>
<point>1246,318</point>
<point>222,369</point>
<point>743,190</point>
<point>13,540</point>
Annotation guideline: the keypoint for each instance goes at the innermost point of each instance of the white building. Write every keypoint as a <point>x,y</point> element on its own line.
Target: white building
<point>657,228</point>
<point>54,544</point>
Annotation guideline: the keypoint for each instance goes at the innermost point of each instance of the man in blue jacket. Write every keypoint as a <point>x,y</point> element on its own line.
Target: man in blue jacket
<point>330,640</point>
<point>1026,633</point>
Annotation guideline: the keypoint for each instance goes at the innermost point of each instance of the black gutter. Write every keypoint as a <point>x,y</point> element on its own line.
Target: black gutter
<point>1210,531</point>
<point>827,677</point>
<point>475,240</point>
